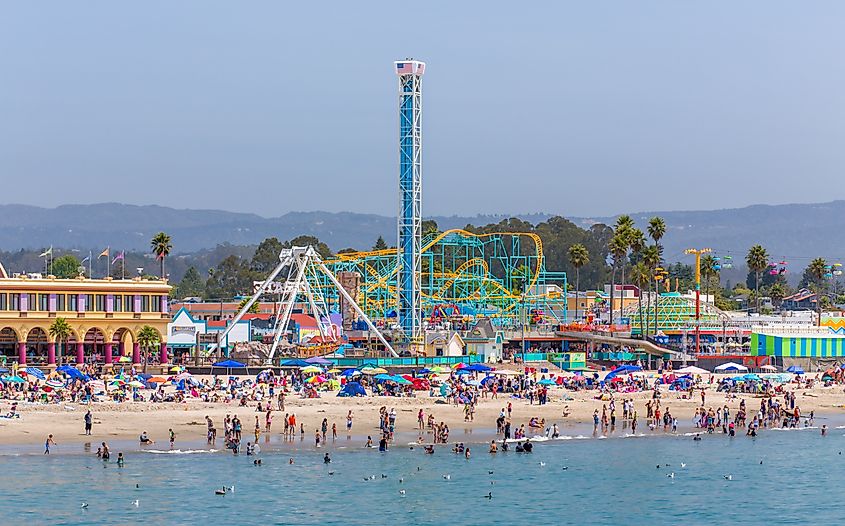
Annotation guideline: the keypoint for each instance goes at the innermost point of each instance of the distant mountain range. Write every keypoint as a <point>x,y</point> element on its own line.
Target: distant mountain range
<point>787,231</point>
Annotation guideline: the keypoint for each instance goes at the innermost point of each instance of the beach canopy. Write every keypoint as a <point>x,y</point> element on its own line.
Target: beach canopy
<point>296,362</point>
<point>33,371</point>
<point>352,389</point>
<point>691,369</point>
<point>768,368</point>
<point>731,366</point>
<point>795,369</point>
<point>229,364</point>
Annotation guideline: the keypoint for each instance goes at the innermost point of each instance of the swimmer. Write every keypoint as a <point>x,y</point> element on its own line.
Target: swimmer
<point>327,459</point>
<point>120,460</point>
<point>493,448</point>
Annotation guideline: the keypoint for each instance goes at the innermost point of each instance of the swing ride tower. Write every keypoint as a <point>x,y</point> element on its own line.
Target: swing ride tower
<point>410,74</point>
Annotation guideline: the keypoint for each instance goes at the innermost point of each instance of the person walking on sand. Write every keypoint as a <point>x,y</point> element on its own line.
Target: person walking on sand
<point>89,422</point>
<point>349,422</point>
<point>47,443</point>
<point>172,437</point>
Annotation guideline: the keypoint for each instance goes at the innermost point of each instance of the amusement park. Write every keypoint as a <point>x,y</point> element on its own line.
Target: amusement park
<point>437,297</point>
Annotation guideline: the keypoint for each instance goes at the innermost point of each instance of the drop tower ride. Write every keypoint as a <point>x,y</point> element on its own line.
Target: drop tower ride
<point>410,74</point>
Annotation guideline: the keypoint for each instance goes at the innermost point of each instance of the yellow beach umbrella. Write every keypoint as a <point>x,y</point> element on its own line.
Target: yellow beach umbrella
<point>311,369</point>
<point>333,371</point>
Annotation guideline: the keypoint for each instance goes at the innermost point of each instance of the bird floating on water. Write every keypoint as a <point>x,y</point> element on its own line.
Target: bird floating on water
<point>728,477</point>
<point>84,505</point>
<point>447,477</point>
<point>136,503</point>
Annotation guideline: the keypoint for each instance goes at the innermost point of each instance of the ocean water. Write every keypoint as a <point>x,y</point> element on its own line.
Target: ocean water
<point>611,481</point>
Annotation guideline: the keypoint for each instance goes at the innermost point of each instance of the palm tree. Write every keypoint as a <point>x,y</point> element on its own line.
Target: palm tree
<point>709,268</point>
<point>618,250</point>
<point>656,230</point>
<point>579,256</point>
<point>641,276</point>
<point>757,261</point>
<point>148,338</point>
<point>651,258</point>
<point>818,269</point>
<point>60,331</point>
<point>160,245</point>
<point>777,293</point>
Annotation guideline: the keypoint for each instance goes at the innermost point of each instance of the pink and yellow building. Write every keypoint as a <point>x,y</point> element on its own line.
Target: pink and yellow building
<point>104,315</point>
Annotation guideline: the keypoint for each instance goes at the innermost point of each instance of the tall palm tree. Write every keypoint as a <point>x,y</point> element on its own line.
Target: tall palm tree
<point>618,246</point>
<point>651,258</point>
<point>656,230</point>
<point>818,269</point>
<point>709,268</point>
<point>757,261</point>
<point>641,276</point>
<point>160,245</point>
<point>60,331</point>
<point>579,256</point>
<point>148,338</point>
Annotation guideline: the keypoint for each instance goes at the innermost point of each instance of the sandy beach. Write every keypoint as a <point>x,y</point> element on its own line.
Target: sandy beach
<point>125,421</point>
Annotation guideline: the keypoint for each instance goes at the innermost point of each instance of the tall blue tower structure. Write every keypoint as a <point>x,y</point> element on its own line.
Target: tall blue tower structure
<point>410,74</point>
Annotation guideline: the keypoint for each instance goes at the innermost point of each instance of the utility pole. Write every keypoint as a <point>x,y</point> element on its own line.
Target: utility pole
<point>697,252</point>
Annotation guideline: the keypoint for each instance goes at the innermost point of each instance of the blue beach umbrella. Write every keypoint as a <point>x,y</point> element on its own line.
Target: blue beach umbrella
<point>350,372</point>
<point>795,369</point>
<point>33,371</point>
<point>14,379</point>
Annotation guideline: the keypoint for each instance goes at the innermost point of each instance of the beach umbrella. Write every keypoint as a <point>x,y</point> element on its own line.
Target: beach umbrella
<point>477,367</point>
<point>546,381</point>
<point>32,371</point>
<point>460,365</point>
<point>182,376</point>
<point>334,370</point>
<point>383,376</point>
<point>4,370</point>
<point>437,369</point>
<point>465,370</point>
<point>350,372</point>
<point>311,369</point>
<point>156,380</point>
<point>54,384</point>
<point>14,379</point>
<point>319,360</point>
<point>768,368</point>
<point>399,380</point>
<point>136,383</point>
<point>316,379</point>
<point>378,370</point>
<point>296,362</point>
<point>175,369</point>
<point>124,359</point>
<point>794,369</point>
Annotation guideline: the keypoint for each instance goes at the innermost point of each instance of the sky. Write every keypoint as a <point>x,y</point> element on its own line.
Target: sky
<point>572,108</point>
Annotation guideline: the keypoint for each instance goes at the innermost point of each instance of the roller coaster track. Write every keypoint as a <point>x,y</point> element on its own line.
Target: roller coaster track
<point>358,258</point>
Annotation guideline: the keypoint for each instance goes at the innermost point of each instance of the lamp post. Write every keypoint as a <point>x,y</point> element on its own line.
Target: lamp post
<point>697,252</point>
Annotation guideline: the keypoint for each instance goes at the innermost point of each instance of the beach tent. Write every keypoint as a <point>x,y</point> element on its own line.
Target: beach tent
<point>731,366</point>
<point>296,362</point>
<point>352,389</point>
<point>794,369</point>
<point>691,369</point>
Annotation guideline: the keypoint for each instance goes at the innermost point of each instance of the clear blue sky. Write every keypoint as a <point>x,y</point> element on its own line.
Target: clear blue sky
<point>576,108</point>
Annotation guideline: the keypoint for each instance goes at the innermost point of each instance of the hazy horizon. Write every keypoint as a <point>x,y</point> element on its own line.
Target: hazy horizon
<point>565,108</point>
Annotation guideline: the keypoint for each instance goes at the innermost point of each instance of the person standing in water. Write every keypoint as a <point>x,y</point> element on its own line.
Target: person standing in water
<point>47,443</point>
<point>89,422</point>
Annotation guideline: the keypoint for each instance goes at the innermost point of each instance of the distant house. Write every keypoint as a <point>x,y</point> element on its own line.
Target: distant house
<point>802,300</point>
<point>484,340</point>
<point>444,343</point>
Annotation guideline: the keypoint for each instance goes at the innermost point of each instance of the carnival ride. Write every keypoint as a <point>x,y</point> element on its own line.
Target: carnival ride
<point>674,312</point>
<point>467,275</point>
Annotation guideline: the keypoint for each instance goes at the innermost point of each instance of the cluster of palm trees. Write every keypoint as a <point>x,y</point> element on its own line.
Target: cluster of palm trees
<point>628,244</point>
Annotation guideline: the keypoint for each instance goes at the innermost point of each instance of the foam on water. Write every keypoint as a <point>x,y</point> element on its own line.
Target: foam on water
<point>178,451</point>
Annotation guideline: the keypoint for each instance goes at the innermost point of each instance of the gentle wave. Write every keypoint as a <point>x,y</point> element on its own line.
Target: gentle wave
<point>179,451</point>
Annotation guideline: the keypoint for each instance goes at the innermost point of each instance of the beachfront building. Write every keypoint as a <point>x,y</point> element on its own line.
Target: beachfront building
<point>104,316</point>
<point>799,341</point>
<point>189,337</point>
